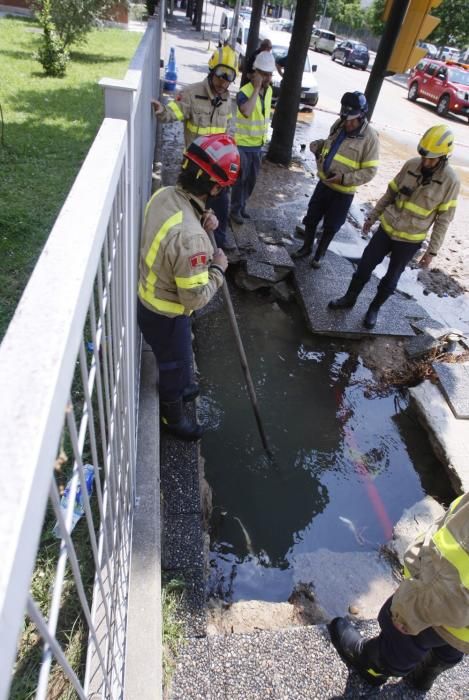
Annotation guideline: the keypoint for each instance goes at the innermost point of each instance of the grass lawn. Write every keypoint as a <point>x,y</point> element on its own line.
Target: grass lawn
<point>49,125</point>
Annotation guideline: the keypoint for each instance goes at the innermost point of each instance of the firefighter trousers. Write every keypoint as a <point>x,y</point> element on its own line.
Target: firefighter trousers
<point>401,653</point>
<point>380,245</point>
<point>171,342</point>
<point>333,207</point>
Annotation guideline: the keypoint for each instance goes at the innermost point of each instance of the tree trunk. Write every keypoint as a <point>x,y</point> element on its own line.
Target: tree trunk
<point>284,121</point>
<point>253,36</point>
<point>199,8</point>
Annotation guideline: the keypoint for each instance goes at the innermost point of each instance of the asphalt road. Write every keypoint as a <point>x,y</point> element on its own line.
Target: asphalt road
<point>403,121</point>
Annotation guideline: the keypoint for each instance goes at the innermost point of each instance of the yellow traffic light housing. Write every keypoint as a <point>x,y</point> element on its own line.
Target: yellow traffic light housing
<point>417,25</point>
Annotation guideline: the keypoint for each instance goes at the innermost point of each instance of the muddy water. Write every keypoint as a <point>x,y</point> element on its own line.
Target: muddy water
<point>346,461</point>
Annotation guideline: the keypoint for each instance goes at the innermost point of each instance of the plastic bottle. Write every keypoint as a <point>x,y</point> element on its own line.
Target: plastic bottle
<point>171,72</point>
<point>79,507</point>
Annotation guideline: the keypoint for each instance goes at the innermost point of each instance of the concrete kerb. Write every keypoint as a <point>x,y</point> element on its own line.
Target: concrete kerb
<point>143,677</point>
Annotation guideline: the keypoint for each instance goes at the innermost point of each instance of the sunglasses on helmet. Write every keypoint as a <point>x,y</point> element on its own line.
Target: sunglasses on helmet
<point>225,73</point>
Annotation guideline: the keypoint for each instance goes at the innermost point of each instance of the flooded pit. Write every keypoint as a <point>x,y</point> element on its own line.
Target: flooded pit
<point>346,461</point>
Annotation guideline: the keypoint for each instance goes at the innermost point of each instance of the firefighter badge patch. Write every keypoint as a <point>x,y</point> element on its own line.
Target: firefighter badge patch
<point>198,259</point>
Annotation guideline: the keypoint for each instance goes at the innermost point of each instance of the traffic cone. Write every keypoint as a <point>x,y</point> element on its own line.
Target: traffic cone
<point>171,72</point>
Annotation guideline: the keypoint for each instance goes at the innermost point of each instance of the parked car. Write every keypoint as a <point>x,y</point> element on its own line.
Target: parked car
<point>445,84</point>
<point>242,34</point>
<point>352,53</point>
<point>322,40</point>
<point>280,44</point>
<point>448,53</point>
<point>432,51</point>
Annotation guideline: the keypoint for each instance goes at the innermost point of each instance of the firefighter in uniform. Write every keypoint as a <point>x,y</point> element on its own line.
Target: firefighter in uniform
<point>206,108</point>
<point>346,159</point>
<point>425,624</point>
<point>254,102</point>
<point>423,194</point>
<point>180,272</point>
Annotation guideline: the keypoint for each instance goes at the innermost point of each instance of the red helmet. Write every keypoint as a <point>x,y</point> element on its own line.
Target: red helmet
<point>217,156</point>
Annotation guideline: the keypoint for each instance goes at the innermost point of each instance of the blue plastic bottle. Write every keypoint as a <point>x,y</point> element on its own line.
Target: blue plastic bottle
<point>79,507</point>
<point>171,72</point>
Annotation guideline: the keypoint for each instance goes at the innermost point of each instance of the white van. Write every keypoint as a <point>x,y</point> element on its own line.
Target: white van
<point>280,44</point>
<point>226,23</point>
<point>322,40</point>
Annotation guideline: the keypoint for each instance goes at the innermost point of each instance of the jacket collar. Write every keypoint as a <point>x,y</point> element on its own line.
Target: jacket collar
<point>197,204</point>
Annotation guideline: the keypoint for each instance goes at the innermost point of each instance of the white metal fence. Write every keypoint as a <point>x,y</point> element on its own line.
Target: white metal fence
<point>69,368</point>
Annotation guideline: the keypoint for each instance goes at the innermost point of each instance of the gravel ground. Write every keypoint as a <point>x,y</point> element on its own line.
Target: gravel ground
<point>292,664</point>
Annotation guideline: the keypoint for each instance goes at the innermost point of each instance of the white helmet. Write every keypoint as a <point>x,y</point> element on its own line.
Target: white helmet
<point>264,62</point>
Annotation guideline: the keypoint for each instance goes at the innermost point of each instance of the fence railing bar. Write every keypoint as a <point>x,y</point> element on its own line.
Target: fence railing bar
<point>97,337</point>
<point>59,578</point>
<point>103,527</point>
<point>87,504</point>
<point>68,543</point>
<point>36,617</point>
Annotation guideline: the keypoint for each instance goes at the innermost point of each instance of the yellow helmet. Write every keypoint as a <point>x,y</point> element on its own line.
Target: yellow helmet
<point>437,142</point>
<point>224,56</point>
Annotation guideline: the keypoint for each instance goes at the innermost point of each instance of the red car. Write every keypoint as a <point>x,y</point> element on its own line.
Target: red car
<point>446,84</point>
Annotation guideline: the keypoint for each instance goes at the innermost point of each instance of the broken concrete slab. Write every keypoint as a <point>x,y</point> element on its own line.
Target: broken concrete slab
<point>262,271</point>
<point>412,523</point>
<point>344,579</point>
<point>420,345</point>
<point>245,235</point>
<point>454,381</point>
<point>273,255</point>
<point>448,435</point>
<point>317,287</point>
<point>250,281</point>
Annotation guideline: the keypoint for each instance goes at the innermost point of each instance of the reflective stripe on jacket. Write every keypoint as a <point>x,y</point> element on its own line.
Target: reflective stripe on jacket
<point>175,274</point>
<point>195,106</point>
<point>356,160</point>
<point>252,130</point>
<point>435,592</point>
<point>409,208</point>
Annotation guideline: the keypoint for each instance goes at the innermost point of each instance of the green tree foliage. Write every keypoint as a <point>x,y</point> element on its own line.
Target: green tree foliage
<point>374,17</point>
<point>52,54</point>
<point>73,19</point>
<point>344,11</point>
<point>454,26</point>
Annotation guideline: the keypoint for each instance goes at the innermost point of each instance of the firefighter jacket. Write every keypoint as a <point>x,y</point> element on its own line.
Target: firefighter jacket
<point>252,131</point>
<point>356,159</point>
<point>175,274</point>
<point>435,590</point>
<point>412,204</point>
<point>202,111</point>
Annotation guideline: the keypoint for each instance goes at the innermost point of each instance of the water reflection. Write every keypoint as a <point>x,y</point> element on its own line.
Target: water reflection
<point>341,473</point>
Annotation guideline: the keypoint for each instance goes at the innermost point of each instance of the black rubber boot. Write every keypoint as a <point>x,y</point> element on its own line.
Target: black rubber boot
<point>424,675</point>
<point>191,392</point>
<point>354,650</point>
<point>323,245</point>
<point>350,296</point>
<point>307,247</point>
<point>175,422</point>
<point>373,310</point>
